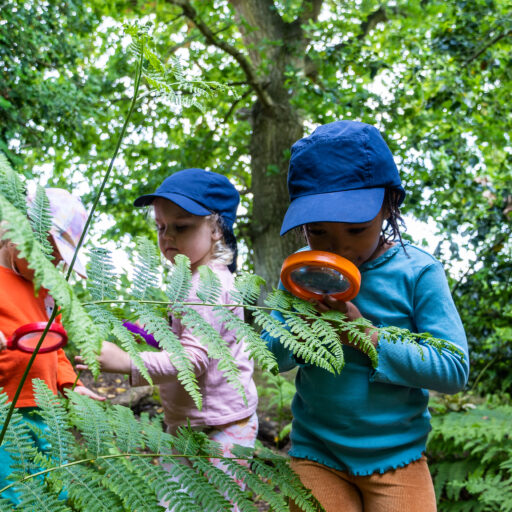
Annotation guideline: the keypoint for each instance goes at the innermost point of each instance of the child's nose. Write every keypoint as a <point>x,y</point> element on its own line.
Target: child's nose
<point>168,232</point>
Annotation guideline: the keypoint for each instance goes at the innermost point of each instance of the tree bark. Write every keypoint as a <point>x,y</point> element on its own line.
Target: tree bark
<point>275,127</point>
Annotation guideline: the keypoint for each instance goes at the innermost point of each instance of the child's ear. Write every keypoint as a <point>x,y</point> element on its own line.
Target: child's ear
<point>216,233</point>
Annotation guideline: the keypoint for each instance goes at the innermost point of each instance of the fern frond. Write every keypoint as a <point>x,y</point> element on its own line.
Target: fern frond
<point>356,332</point>
<point>197,486</point>
<point>180,280</point>
<point>247,288</point>
<point>155,438</point>
<point>127,430</point>
<point>86,492</point>
<point>53,412</point>
<point>396,334</point>
<point>41,220</point>
<point>146,271</point>
<point>225,485</point>
<point>128,486</point>
<point>89,417</point>
<point>217,346</point>
<point>256,347</point>
<point>18,441</point>
<point>159,480</point>
<point>101,279</point>
<point>209,288</point>
<point>313,353</point>
<point>168,341</point>
<point>34,495</point>
<point>11,186</point>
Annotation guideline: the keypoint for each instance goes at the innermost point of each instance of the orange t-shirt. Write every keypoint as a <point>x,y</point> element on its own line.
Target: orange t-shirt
<point>20,306</point>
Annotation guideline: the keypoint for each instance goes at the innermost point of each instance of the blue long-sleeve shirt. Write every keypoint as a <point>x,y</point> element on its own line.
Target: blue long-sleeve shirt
<point>366,419</point>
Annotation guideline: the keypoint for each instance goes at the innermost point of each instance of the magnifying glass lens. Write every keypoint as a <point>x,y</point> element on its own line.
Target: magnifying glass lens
<point>320,280</point>
<point>29,341</point>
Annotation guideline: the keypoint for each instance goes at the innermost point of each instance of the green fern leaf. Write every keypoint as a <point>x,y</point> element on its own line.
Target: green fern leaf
<point>86,492</point>
<point>147,270</point>
<point>217,346</point>
<point>127,430</point>
<point>256,346</point>
<point>247,288</point>
<point>10,185</point>
<point>34,496</point>
<point>209,288</point>
<point>168,341</point>
<point>89,417</point>
<point>158,479</point>
<point>41,220</point>
<point>101,279</point>
<point>180,280</point>
<point>18,441</point>
<point>128,486</point>
<point>53,412</point>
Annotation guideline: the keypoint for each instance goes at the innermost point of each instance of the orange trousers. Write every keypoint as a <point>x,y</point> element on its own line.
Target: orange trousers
<point>407,489</point>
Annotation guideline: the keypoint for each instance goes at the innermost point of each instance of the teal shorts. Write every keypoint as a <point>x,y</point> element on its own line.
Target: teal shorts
<point>31,417</point>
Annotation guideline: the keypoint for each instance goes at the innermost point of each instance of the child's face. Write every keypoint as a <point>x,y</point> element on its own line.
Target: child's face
<point>356,242</point>
<point>21,264</point>
<point>180,232</point>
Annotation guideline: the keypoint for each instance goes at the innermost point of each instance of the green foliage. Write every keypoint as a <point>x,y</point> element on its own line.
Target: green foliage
<point>102,457</point>
<point>470,455</point>
<point>41,221</point>
<point>275,396</point>
<point>11,185</point>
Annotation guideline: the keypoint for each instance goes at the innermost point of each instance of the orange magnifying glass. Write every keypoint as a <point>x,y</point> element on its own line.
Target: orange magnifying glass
<point>314,274</point>
<point>26,337</point>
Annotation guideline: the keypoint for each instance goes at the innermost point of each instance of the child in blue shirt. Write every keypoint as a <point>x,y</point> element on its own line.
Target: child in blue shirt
<point>358,438</point>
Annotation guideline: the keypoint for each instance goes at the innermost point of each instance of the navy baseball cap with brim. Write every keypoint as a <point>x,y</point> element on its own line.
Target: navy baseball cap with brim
<point>339,173</point>
<point>199,192</point>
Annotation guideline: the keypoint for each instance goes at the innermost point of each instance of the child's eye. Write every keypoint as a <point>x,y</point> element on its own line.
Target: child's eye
<point>159,228</point>
<point>356,231</point>
<point>315,231</point>
<point>180,229</point>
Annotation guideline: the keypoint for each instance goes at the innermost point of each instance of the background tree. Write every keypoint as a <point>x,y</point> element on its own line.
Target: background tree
<point>432,75</point>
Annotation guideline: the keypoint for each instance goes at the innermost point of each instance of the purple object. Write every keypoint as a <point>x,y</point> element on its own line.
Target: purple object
<point>148,338</point>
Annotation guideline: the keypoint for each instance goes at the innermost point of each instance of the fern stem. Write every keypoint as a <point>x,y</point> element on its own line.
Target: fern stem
<point>117,456</point>
<point>167,303</point>
<point>70,269</point>
<point>25,374</point>
<point>111,165</point>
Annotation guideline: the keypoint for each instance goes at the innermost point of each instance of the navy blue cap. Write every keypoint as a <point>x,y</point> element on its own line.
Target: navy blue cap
<point>199,192</point>
<point>339,173</point>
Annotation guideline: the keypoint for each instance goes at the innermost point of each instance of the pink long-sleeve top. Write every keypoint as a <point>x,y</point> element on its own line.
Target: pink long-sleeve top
<point>222,404</point>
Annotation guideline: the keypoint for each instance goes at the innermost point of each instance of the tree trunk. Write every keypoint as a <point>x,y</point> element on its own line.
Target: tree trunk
<point>276,125</point>
<point>271,140</point>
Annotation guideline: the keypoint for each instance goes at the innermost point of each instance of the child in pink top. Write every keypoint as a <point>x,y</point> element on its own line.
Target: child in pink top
<point>194,214</point>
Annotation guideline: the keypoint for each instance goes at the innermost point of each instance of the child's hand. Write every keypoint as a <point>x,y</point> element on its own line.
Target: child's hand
<point>112,359</point>
<point>3,341</point>
<point>347,308</point>
<point>82,390</point>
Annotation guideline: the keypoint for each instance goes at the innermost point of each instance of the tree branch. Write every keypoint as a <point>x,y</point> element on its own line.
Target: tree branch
<point>487,46</point>
<point>250,72</point>
<point>310,10</point>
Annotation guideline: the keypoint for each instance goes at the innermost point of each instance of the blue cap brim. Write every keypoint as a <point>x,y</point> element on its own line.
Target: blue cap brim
<point>354,206</point>
<point>184,202</point>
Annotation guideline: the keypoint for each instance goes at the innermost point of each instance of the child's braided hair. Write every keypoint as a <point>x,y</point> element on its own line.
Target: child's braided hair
<point>391,230</point>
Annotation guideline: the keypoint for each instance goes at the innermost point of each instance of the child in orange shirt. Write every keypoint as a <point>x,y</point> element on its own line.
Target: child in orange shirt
<point>19,305</point>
